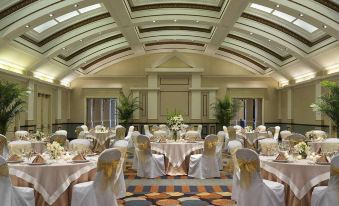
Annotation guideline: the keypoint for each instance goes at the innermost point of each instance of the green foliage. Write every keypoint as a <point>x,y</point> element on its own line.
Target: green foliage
<point>329,102</point>
<point>225,109</point>
<point>11,103</point>
<point>127,105</point>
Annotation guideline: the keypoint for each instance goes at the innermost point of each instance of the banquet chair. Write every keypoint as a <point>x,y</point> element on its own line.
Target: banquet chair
<point>237,128</point>
<point>80,145</point>
<point>149,165</point>
<point>21,135</point>
<point>3,146</point>
<point>295,138</point>
<point>129,135</point>
<point>276,133</point>
<point>252,189</point>
<point>84,128</point>
<point>61,132</point>
<point>122,145</point>
<point>147,131</point>
<point>261,128</point>
<point>108,185</point>
<point>61,139</point>
<point>199,130</point>
<point>224,128</point>
<point>330,145</point>
<point>328,195</point>
<point>19,147</point>
<point>271,131</point>
<point>205,165</point>
<point>284,134</point>
<point>120,132</point>
<point>79,132</point>
<point>135,157</point>
<point>99,127</point>
<point>219,149</point>
<point>11,195</point>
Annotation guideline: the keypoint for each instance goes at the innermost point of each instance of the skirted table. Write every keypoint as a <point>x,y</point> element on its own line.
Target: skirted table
<point>299,178</point>
<point>177,155</point>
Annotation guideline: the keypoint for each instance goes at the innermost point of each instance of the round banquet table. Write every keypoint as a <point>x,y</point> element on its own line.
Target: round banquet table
<point>38,146</point>
<point>252,136</point>
<point>299,178</point>
<point>101,140</point>
<point>52,182</point>
<point>177,155</point>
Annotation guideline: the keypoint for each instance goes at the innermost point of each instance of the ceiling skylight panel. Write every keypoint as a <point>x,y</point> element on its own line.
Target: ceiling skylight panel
<point>67,16</point>
<point>261,7</point>
<point>304,25</point>
<point>89,8</point>
<point>283,15</point>
<point>45,26</point>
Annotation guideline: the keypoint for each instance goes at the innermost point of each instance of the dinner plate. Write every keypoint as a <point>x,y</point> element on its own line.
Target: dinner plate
<point>15,161</point>
<point>93,154</point>
<point>80,161</point>
<point>322,163</point>
<point>30,163</point>
<point>282,161</point>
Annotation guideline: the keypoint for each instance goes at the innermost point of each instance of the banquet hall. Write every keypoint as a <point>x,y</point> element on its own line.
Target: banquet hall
<point>169,102</point>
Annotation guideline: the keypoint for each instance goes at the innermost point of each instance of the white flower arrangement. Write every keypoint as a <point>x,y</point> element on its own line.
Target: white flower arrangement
<point>39,135</point>
<point>175,121</point>
<point>313,135</point>
<point>55,150</point>
<point>248,128</point>
<point>302,148</point>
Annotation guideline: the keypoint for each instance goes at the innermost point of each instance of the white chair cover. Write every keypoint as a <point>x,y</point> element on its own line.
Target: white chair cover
<point>199,130</point>
<point>19,147</point>
<point>128,138</point>
<point>105,188</point>
<point>224,128</point>
<point>149,165</point>
<point>61,132</point>
<point>80,145</point>
<point>268,146</point>
<point>21,134</point>
<point>84,128</point>
<point>59,138</point>
<point>328,195</point>
<point>98,127</point>
<point>205,165</point>
<point>219,149</point>
<point>330,145</point>
<point>252,189</point>
<point>237,128</point>
<point>316,134</point>
<point>135,157</point>
<point>13,196</point>
<point>276,133</point>
<point>147,131</point>
<point>3,146</point>
<point>261,128</point>
<point>284,134</point>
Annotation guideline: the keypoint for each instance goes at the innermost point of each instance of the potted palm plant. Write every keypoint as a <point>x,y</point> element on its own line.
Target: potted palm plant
<point>328,103</point>
<point>11,103</point>
<point>127,105</point>
<point>225,109</point>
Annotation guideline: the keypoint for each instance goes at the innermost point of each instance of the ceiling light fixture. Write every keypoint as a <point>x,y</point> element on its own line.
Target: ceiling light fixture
<point>301,14</point>
<point>277,6</point>
<point>50,15</point>
<point>75,5</point>
<point>324,26</point>
<point>251,33</point>
<point>27,26</point>
<point>64,48</point>
<point>269,40</point>
<point>80,40</point>
<point>175,20</point>
<point>197,21</point>
<point>154,21</point>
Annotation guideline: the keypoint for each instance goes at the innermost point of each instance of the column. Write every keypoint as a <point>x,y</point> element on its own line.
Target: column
<point>152,96</point>
<point>136,113</point>
<point>59,104</point>
<point>212,99</point>
<point>196,96</point>
<point>289,104</point>
<point>317,95</point>
<point>30,101</point>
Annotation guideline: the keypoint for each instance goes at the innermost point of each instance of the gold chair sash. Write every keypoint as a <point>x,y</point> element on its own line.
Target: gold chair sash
<point>210,147</point>
<point>109,170</point>
<point>142,149</point>
<point>3,142</point>
<point>120,132</point>
<point>247,169</point>
<point>334,171</point>
<point>4,170</point>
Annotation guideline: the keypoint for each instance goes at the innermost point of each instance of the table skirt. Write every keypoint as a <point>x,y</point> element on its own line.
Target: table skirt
<point>290,198</point>
<point>65,198</point>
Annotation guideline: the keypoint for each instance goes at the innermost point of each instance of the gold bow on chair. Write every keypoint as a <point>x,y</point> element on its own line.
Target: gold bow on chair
<point>4,170</point>
<point>334,171</point>
<point>109,170</point>
<point>247,168</point>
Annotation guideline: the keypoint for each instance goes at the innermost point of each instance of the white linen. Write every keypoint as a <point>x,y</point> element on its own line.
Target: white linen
<point>268,146</point>
<point>330,145</point>
<point>261,128</point>
<point>205,165</point>
<point>328,196</point>
<point>61,132</point>
<point>300,175</point>
<point>21,134</point>
<point>84,128</point>
<point>192,135</point>
<point>13,196</point>
<point>259,192</point>
<point>19,147</point>
<point>284,134</point>
<point>147,132</point>
<point>276,132</point>
<point>64,173</point>
<point>94,193</point>
<point>80,145</point>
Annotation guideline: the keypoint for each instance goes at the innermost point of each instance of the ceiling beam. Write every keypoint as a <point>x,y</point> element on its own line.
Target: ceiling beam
<point>119,13</point>
<point>228,18</point>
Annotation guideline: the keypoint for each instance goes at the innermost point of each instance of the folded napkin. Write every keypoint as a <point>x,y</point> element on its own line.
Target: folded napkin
<point>14,157</point>
<point>38,160</point>
<point>281,157</point>
<point>80,156</point>
<point>322,159</point>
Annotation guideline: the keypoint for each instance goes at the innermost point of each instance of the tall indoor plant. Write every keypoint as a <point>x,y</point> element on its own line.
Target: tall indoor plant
<point>126,106</point>
<point>11,103</point>
<point>225,109</point>
<point>329,103</point>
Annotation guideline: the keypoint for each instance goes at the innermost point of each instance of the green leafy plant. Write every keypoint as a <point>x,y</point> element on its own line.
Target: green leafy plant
<point>329,102</point>
<point>11,103</point>
<point>127,105</point>
<point>225,109</point>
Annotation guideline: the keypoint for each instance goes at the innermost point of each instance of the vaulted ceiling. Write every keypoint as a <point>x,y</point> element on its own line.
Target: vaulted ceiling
<point>80,37</point>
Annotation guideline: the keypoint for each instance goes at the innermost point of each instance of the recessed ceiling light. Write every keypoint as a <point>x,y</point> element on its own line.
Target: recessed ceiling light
<point>269,40</point>
<point>85,62</point>
<point>154,21</point>
<point>174,20</point>
<point>277,6</point>
<point>324,26</point>
<point>75,5</point>
<point>301,14</point>
<point>197,21</point>
<point>64,48</point>
<point>51,15</point>
<point>251,33</point>
<point>80,40</point>
<point>27,26</point>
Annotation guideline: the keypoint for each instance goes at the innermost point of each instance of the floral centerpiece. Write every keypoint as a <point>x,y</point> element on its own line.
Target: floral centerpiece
<point>248,128</point>
<point>55,150</point>
<point>302,148</point>
<point>175,122</point>
<point>39,135</point>
<point>313,135</point>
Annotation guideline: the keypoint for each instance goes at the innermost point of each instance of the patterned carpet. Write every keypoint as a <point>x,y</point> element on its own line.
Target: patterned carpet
<point>177,190</point>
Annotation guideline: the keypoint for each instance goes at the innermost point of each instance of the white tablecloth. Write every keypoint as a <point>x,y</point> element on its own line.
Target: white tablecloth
<point>176,151</point>
<point>300,175</point>
<point>53,179</point>
<point>252,136</point>
<point>101,137</point>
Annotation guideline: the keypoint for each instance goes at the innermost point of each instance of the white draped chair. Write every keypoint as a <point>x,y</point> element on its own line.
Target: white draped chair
<point>328,195</point>
<point>3,146</point>
<point>268,146</point>
<point>59,138</point>
<point>80,145</point>
<point>252,189</point>
<point>135,157</point>
<point>84,128</point>
<point>233,142</point>
<point>21,134</point>
<point>128,138</point>
<point>19,147</point>
<point>330,145</point>
<point>205,165</point>
<point>276,132</point>
<point>237,128</point>
<point>105,189</point>
<point>219,149</point>
<point>61,132</point>
<point>122,145</point>
<point>261,128</point>
<point>99,127</point>
<point>284,134</point>
<point>315,134</point>
<point>149,165</point>
<point>120,132</point>
<point>199,130</point>
<point>147,131</point>
<point>11,195</point>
